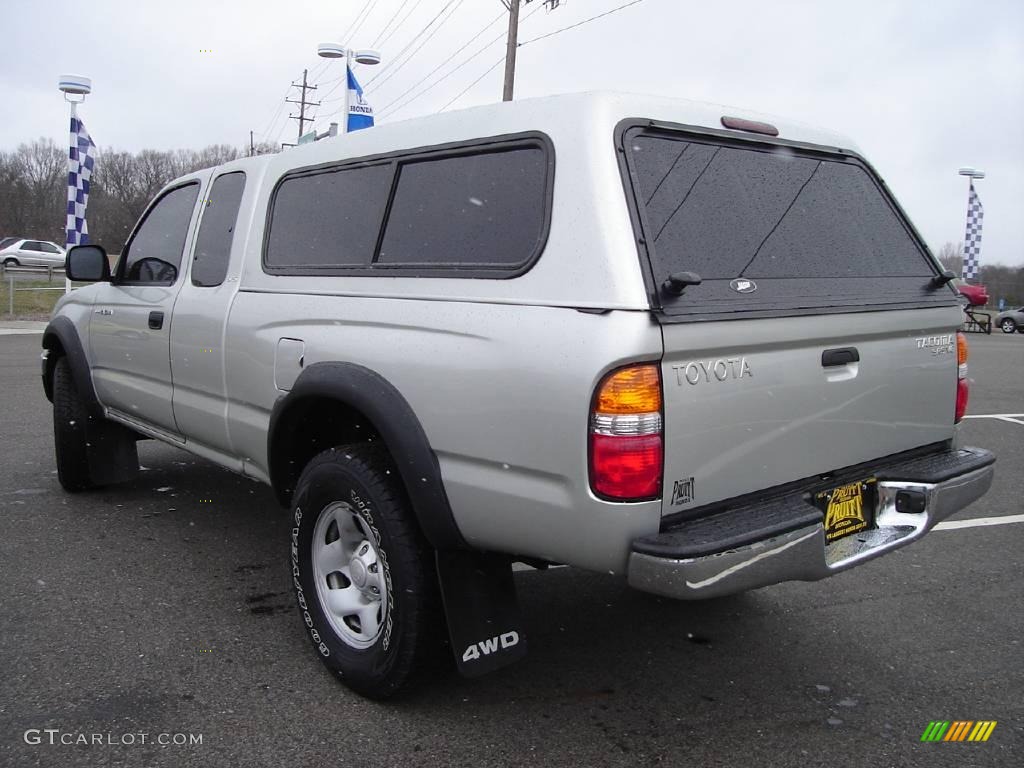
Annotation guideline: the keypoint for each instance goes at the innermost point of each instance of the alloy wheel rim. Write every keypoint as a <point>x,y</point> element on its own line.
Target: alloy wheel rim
<point>349,575</point>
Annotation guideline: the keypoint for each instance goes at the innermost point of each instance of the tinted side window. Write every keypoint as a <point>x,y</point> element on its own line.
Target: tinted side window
<point>328,219</point>
<point>49,248</point>
<point>480,210</point>
<point>30,245</point>
<point>216,231</point>
<point>154,253</point>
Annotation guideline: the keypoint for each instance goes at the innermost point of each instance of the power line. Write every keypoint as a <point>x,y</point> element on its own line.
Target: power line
<point>399,24</point>
<point>463,93</point>
<point>277,112</point>
<point>423,42</point>
<point>579,23</point>
<point>357,23</point>
<point>390,22</point>
<point>394,61</point>
<point>446,61</point>
<point>321,68</point>
<point>460,66</point>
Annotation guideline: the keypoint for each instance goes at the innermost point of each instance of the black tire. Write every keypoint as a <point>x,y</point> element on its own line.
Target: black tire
<point>11,263</point>
<point>360,482</point>
<point>69,440</point>
<point>1008,325</point>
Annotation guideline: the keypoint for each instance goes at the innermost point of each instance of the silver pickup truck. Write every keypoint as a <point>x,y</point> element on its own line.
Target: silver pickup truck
<point>696,348</point>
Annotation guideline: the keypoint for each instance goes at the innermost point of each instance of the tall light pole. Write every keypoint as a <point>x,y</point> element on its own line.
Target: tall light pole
<point>339,51</point>
<point>75,88</point>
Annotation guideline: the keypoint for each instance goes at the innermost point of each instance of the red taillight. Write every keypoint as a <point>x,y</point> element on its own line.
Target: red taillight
<point>626,448</point>
<point>962,387</point>
<point>962,393</point>
<point>625,467</point>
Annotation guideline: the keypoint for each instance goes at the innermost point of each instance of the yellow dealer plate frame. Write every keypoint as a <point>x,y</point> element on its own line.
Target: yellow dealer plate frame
<point>848,508</point>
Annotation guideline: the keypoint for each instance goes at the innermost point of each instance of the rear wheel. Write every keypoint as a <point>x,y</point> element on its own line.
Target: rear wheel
<point>69,440</point>
<point>363,573</point>
<point>1008,326</point>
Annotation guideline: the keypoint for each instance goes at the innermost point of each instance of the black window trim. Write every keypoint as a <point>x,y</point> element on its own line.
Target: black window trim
<point>121,262</point>
<point>199,226</point>
<point>633,126</point>
<point>482,146</point>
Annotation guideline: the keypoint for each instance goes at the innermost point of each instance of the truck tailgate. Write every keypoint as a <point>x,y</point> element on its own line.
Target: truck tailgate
<point>749,404</point>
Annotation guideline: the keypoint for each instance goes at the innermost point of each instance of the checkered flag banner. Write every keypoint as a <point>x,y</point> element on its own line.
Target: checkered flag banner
<point>81,160</point>
<point>972,238</point>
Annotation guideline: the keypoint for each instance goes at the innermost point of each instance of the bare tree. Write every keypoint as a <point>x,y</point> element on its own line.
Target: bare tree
<point>42,167</point>
<point>951,257</point>
<point>33,187</point>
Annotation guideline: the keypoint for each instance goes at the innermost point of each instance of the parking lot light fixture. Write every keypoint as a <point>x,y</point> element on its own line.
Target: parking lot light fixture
<point>331,50</point>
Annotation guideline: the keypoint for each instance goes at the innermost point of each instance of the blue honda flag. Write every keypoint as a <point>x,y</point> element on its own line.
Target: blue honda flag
<point>360,113</point>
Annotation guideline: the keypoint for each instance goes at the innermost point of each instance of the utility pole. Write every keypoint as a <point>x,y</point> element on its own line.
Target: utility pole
<point>510,50</point>
<point>252,148</point>
<point>301,117</point>
<point>513,42</point>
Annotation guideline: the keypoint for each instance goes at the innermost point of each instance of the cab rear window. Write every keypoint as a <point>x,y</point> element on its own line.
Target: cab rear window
<point>771,229</point>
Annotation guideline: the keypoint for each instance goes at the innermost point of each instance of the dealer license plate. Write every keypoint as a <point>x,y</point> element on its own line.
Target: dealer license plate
<point>848,508</point>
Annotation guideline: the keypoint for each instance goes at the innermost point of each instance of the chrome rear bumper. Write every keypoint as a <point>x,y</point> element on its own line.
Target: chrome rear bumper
<point>802,554</point>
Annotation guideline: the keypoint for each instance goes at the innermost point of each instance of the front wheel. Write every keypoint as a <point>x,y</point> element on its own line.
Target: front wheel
<point>1008,326</point>
<point>11,263</point>
<point>69,420</point>
<point>363,574</point>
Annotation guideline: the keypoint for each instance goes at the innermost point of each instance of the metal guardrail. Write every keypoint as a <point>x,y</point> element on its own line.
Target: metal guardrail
<point>10,272</point>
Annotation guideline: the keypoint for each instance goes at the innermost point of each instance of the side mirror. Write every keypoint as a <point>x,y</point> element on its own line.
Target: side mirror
<point>87,264</point>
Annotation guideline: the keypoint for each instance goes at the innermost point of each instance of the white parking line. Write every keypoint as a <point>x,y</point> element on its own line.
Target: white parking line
<point>1013,418</point>
<point>978,522</point>
<point>18,331</point>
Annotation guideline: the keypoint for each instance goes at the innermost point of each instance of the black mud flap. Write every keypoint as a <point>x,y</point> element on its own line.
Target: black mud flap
<point>482,610</point>
<point>113,454</point>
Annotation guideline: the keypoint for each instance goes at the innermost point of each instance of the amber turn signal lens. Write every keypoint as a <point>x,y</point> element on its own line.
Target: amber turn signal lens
<point>636,389</point>
<point>961,348</point>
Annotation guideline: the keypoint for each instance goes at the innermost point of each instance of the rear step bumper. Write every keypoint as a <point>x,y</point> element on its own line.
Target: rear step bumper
<point>783,538</point>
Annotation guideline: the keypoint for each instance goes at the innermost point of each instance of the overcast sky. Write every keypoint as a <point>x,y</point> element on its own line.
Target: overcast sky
<point>923,86</point>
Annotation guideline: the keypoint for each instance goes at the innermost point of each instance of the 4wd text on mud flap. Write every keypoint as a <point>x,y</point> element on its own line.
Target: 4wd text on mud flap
<point>491,645</point>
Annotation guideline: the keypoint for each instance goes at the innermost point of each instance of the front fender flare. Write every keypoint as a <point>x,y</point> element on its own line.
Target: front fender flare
<point>60,331</point>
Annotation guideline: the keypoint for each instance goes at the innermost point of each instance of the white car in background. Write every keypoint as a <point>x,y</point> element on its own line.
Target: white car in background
<point>32,253</point>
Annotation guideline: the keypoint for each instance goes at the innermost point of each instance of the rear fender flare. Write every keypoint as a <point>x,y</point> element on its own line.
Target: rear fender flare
<point>395,421</point>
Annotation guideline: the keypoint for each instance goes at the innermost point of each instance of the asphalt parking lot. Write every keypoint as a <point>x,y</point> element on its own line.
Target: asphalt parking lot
<point>163,607</point>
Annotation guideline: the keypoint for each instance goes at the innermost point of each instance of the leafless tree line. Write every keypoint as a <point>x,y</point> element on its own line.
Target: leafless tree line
<point>33,188</point>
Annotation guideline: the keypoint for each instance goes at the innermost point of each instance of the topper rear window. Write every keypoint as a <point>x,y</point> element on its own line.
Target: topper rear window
<point>797,230</point>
